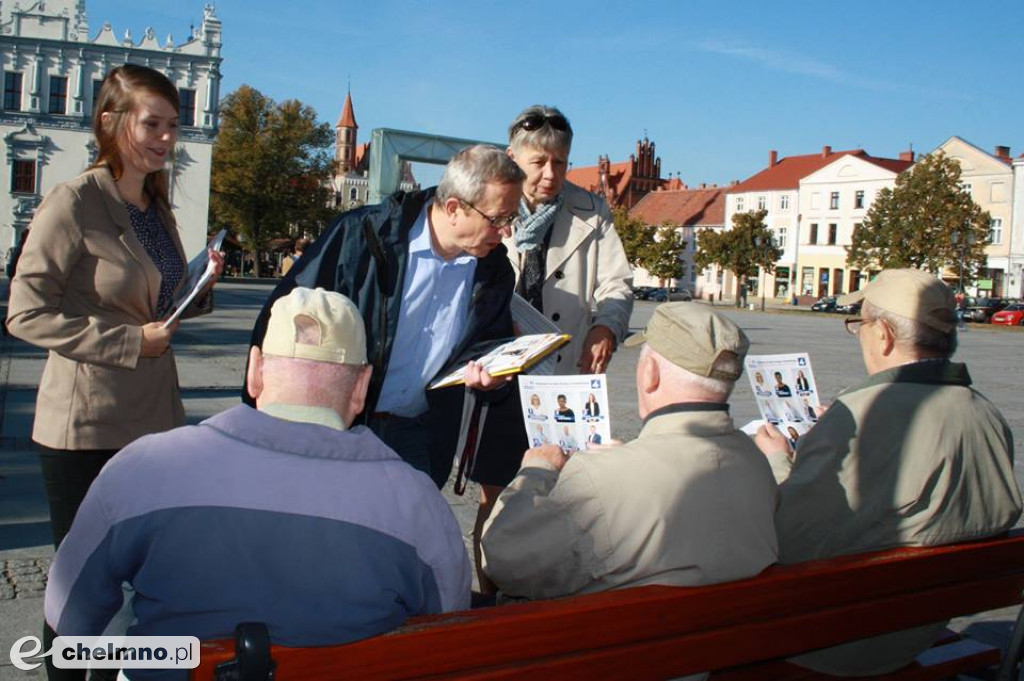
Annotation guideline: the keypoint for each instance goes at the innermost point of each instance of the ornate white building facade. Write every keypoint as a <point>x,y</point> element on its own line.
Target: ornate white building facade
<point>52,70</point>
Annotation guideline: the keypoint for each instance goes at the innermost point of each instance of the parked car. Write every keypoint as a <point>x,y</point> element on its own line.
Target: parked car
<point>679,294</point>
<point>980,310</point>
<point>1011,315</point>
<point>665,294</point>
<point>851,309</point>
<point>826,304</point>
<point>643,292</point>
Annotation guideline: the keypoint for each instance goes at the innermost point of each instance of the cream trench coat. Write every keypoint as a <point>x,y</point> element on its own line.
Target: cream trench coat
<point>587,278</point>
<point>84,287</point>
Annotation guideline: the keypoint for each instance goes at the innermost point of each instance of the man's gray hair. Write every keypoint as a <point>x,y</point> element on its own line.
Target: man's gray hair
<point>690,385</point>
<point>470,171</point>
<point>909,332</point>
<point>545,137</point>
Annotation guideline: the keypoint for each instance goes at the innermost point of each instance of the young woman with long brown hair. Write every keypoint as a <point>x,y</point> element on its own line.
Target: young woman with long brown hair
<point>94,280</point>
<point>96,277</point>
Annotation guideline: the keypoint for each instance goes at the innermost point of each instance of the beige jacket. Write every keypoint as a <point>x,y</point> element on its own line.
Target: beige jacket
<point>689,502</point>
<point>588,280</point>
<point>84,287</point>
<point>911,457</point>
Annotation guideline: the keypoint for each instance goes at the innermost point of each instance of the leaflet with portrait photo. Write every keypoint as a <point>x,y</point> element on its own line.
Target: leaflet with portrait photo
<point>568,411</point>
<point>785,391</point>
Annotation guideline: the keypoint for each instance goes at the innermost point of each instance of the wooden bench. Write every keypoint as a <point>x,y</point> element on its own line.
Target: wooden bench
<point>744,629</point>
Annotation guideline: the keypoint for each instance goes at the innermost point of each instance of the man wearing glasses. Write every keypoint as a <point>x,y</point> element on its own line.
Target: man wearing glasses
<point>913,456</point>
<point>569,264</point>
<point>430,277</point>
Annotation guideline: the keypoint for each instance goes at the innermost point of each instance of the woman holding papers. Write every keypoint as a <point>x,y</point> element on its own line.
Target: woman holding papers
<point>98,274</point>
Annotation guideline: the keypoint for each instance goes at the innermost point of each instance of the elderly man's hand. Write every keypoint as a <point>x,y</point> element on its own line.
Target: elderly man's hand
<point>477,378</point>
<point>770,440</point>
<point>597,350</point>
<point>550,454</point>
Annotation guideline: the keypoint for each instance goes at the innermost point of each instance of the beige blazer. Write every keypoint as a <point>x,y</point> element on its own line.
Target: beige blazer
<point>688,503</point>
<point>84,287</point>
<point>588,279</point>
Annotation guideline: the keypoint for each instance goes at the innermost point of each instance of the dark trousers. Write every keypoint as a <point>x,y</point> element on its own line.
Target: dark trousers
<point>67,475</point>
<point>411,439</point>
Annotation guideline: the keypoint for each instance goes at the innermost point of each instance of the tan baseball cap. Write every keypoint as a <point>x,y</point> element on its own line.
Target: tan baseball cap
<point>910,293</point>
<point>694,337</point>
<point>318,325</point>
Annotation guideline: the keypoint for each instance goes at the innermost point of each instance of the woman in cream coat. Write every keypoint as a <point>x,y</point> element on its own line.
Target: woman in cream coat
<point>97,274</point>
<point>570,265</point>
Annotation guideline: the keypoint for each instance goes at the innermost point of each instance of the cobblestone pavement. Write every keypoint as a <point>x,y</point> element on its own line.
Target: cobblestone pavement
<point>211,356</point>
<point>23,578</point>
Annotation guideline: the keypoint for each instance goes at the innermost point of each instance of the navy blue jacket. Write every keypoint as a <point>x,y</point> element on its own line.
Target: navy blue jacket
<point>363,254</point>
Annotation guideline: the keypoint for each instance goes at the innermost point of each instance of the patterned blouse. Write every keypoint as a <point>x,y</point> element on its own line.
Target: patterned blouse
<point>160,247</point>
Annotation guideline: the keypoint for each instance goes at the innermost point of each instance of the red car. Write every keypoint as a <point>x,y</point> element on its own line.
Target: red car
<point>1011,315</point>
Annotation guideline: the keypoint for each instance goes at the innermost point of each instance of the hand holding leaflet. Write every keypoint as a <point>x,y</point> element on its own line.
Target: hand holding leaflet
<point>201,269</point>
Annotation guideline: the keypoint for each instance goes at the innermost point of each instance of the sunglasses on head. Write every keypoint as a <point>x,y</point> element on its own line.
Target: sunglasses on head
<point>536,121</point>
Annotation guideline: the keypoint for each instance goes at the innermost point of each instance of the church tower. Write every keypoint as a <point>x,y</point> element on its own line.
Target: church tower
<point>345,141</point>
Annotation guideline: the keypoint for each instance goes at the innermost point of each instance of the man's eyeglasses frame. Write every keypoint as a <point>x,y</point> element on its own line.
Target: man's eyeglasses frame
<point>498,222</point>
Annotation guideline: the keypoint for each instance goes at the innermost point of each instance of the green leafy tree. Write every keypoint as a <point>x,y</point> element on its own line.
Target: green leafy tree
<point>658,250</point>
<point>663,254</point>
<point>271,164</point>
<point>635,235</point>
<point>742,249</point>
<point>928,221</point>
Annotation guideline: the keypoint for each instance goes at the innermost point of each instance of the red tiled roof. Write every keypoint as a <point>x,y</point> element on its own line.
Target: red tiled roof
<point>682,207</point>
<point>589,178</point>
<point>787,173</point>
<point>894,164</point>
<point>362,154</point>
<point>348,117</point>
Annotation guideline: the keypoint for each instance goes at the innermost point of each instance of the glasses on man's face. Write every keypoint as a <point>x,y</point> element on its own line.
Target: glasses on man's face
<point>497,221</point>
<point>536,121</point>
<point>853,325</point>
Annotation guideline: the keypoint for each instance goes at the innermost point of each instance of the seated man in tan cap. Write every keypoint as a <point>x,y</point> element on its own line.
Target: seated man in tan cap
<point>280,514</point>
<point>689,502</point>
<point>913,456</point>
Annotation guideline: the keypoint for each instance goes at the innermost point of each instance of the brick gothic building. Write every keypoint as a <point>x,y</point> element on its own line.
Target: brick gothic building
<point>351,183</point>
<point>624,184</point>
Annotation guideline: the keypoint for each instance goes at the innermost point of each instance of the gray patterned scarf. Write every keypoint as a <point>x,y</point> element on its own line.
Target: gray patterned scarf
<point>531,233</point>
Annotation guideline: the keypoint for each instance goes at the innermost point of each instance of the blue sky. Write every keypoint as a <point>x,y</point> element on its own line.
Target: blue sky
<point>715,85</point>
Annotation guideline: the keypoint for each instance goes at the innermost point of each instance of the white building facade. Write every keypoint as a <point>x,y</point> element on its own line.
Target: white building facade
<point>783,206</point>
<point>52,70</point>
<point>989,179</point>
<point>1015,287</point>
<point>834,201</point>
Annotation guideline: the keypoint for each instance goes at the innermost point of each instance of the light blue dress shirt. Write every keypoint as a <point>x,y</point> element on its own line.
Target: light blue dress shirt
<point>432,317</point>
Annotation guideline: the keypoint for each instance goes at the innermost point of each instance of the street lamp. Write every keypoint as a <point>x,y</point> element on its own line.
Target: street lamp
<point>761,246</point>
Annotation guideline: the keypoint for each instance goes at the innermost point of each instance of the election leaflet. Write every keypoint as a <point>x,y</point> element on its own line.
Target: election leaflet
<point>785,391</point>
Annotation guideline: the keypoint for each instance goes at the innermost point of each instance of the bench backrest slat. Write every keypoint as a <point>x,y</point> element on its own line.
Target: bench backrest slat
<point>675,630</point>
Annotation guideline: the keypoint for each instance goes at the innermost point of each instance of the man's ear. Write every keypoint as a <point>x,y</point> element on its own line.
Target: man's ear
<point>451,205</point>
<point>511,154</point>
<point>357,400</point>
<point>254,372</point>
<point>885,336</point>
<point>650,375</point>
